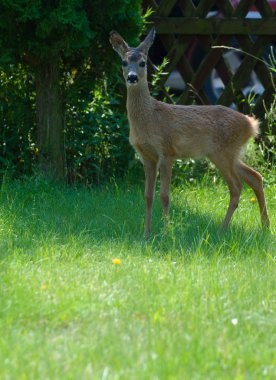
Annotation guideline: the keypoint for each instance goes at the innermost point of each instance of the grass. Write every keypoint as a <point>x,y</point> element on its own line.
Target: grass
<point>190,303</point>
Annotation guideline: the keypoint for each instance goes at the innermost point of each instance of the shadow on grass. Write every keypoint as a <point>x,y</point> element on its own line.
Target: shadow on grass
<point>36,216</point>
<point>191,233</point>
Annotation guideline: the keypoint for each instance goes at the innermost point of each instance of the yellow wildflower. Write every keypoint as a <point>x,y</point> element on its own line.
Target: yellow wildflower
<point>253,200</point>
<point>43,287</point>
<point>117,261</point>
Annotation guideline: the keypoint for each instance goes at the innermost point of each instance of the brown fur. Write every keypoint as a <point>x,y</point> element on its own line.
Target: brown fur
<point>162,132</point>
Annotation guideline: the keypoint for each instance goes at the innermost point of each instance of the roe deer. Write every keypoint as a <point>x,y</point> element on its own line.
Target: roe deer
<point>162,133</point>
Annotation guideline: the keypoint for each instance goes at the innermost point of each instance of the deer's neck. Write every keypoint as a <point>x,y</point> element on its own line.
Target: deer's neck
<point>139,103</point>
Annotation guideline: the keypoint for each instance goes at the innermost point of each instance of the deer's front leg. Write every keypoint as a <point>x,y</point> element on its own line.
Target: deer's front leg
<point>150,169</point>
<point>165,180</point>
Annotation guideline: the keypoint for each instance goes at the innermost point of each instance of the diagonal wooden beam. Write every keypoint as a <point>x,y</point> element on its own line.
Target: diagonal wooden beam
<point>225,7</point>
<point>245,68</point>
<point>187,7</point>
<point>203,71</point>
<point>209,61</point>
<point>204,7</point>
<point>243,8</point>
<point>264,8</point>
<point>261,68</point>
<point>165,7</point>
<point>175,53</point>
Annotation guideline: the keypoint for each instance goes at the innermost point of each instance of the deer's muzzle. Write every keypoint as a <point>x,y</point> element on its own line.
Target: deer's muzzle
<point>132,78</point>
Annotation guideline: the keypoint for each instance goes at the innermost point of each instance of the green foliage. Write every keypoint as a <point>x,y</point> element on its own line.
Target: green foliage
<point>37,31</point>
<point>76,35</point>
<point>97,145</point>
<point>266,148</point>
<point>96,138</point>
<point>17,122</point>
<point>157,77</point>
<point>263,154</point>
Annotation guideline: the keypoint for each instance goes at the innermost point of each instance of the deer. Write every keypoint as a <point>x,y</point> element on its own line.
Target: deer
<point>161,132</point>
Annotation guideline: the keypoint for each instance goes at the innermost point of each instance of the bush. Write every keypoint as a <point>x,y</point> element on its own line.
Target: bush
<point>97,146</point>
<point>96,134</point>
<point>17,122</point>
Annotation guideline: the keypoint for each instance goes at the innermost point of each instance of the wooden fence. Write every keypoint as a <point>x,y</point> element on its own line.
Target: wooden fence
<point>188,31</point>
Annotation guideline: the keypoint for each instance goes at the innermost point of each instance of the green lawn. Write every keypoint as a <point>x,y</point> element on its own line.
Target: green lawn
<point>190,303</point>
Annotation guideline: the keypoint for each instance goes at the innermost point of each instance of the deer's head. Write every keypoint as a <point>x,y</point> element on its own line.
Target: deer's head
<point>134,60</point>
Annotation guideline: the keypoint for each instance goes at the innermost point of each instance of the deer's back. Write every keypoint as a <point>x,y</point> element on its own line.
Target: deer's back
<point>190,131</point>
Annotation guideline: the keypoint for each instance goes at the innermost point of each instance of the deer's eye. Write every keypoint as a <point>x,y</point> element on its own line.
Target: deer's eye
<point>124,63</point>
<point>142,64</point>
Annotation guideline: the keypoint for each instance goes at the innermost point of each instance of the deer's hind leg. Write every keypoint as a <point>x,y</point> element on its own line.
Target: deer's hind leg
<point>254,179</point>
<point>228,168</point>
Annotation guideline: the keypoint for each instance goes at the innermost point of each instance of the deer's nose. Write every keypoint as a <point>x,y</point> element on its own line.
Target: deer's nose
<point>132,78</point>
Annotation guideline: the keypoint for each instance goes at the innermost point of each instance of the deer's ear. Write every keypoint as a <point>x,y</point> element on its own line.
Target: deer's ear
<point>148,41</point>
<point>118,43</point>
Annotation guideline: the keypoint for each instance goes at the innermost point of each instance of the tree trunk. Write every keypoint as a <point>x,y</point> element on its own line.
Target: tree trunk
<point>49,110</point>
